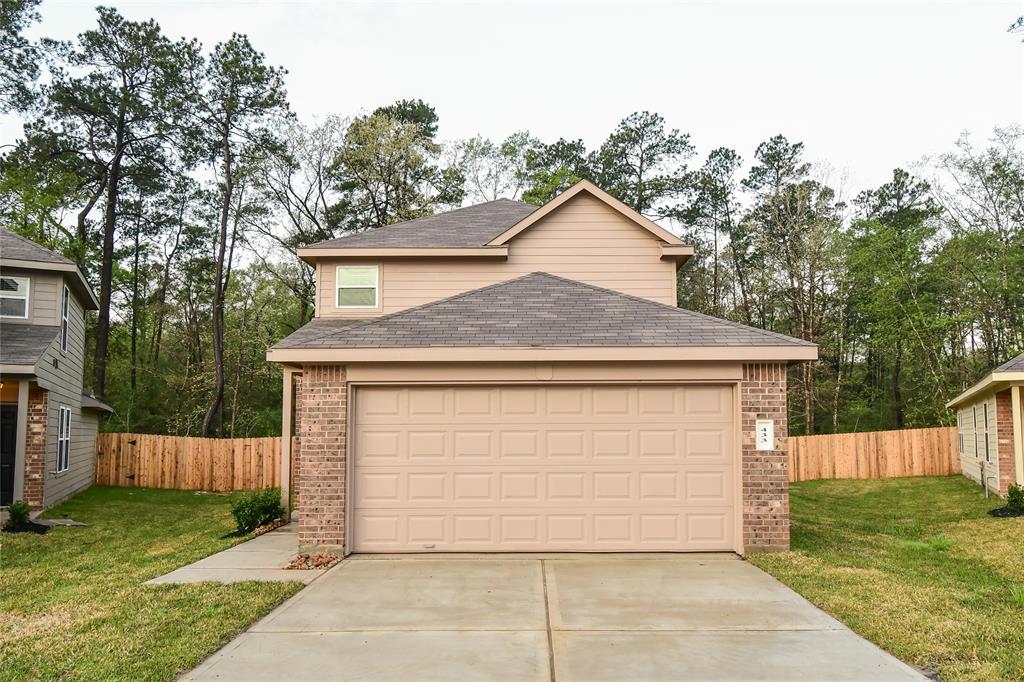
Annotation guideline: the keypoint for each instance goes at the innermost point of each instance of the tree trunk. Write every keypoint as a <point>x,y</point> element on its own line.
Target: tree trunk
<point>218,289</point>
<point>107,265</point>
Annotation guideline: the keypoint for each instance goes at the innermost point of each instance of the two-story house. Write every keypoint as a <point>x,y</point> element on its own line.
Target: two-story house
<point>506,377</point>
<point>47,424</point>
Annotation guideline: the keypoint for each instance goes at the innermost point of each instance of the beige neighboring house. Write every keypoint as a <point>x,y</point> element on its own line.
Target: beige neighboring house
<point>506,377</point>
<point>990,427</point>
<point>47,424</point>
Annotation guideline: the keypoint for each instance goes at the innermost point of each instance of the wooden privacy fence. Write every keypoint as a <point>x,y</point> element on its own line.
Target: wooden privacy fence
<point>875,454</point>
<point>223,464</point>
<point>217,464</point>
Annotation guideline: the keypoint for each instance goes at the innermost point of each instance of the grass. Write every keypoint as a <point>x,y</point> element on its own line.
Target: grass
<point>915,565</point>
<point>72,603</point>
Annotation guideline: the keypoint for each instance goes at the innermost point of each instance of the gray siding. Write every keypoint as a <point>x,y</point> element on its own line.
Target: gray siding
<point>64,382</point>
<point>44,292</point>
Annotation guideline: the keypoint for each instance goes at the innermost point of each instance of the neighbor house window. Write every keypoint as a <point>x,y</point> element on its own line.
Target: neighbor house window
<point>357,286</point>
<point>960,429</point>
<point>985,410</point>
<point>64,439</point>
<point>14,297</point>
<point>64,306</point>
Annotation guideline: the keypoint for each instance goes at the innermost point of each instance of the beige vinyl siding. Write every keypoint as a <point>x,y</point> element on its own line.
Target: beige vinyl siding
<point>972,441</point>
<point>64,383</point>
<point>43,296</point>
<point>584,240</point>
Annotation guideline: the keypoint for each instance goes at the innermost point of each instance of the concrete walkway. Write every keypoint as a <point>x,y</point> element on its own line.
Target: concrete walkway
<point>573,617</point>
<point>263,558</point>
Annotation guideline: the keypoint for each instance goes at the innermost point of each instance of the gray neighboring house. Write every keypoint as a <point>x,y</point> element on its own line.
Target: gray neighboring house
<point>47,423</point>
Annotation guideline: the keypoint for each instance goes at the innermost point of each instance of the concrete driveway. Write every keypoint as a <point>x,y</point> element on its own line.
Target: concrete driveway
<point>552,617</point>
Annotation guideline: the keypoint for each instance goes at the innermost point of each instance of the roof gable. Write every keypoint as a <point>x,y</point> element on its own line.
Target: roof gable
<point>538,310</point>
<point>585,186</point>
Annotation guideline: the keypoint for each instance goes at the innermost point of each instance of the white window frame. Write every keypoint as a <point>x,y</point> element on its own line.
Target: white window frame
<point>988,457</point>
<point>65,311</point>
<point>64,439</point>
<point>974,413</point>
<point>375,286</point>
<point>4,294</point>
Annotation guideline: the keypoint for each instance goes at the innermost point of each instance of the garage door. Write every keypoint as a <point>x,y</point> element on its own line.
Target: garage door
<point>544,468</point>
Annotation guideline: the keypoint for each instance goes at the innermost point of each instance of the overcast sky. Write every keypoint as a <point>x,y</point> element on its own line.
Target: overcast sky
<point>866,85</point>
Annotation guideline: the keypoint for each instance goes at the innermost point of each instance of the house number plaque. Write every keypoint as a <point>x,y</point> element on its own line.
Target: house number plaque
<point>765,429</point>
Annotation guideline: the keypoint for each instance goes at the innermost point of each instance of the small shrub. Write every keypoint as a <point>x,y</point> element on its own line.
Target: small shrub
<point>1015,498</point>
<point>253,509</point>
<point>17,514</point>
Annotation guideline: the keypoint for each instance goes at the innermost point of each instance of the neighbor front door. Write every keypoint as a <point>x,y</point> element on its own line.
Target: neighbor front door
<point>8,438</point>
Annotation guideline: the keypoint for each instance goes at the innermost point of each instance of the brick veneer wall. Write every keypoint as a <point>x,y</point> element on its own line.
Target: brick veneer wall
<point>765,472</point>
<point>35,447</point>
<point>322,422</point>
<point>1004,442</point>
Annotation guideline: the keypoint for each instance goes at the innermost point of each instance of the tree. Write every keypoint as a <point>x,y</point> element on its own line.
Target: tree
<point>296,181</point>
<point>414,112</point>
<point>643,164</point>
<point>551,169</point>
<point>892,308</point>
<point>231,100</point>
<point>797,222</point>
<point>19,58</point>
<point>113,111</point>
<point>495,171</point>
<point>388,171</point>
<point>713,213</point>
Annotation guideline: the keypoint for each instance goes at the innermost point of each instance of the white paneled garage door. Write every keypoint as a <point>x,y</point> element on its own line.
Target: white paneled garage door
<point>544,468</point>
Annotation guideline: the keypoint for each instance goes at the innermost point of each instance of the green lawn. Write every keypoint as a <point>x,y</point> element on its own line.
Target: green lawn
<point>916,566</point>
<point>72,603</point>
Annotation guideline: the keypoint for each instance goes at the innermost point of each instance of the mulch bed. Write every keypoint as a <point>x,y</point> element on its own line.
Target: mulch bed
<point>1006,512</point>
<point>27,527</point>
<point>265,528</point>
<point>317,561</point>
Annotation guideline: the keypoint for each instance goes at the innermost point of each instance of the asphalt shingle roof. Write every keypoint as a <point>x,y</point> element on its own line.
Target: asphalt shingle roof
<point>1012,365</point>
<point>15,247</point>
<point>468,227</point>
<point>23,344</point>
<point>540,310</point>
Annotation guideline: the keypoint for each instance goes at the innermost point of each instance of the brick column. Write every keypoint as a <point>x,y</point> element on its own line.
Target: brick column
<point>324,414</point>
<point>765,472</point>
<point>1004,442</point>
<point>296,472</point>
<point>35,446</point>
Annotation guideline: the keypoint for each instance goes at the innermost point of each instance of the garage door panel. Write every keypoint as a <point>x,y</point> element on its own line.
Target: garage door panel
<point>601,530</point>
<point>523,487</point>
<point>543,468</point>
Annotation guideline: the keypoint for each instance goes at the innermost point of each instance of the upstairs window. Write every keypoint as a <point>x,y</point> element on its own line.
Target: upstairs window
<point>14,297</point>
<point>357,286</point>
<point>65,306</point>
<point>64,439</point>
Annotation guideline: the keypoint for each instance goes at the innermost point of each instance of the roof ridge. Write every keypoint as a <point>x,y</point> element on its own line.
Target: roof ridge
<point>677,309</point>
